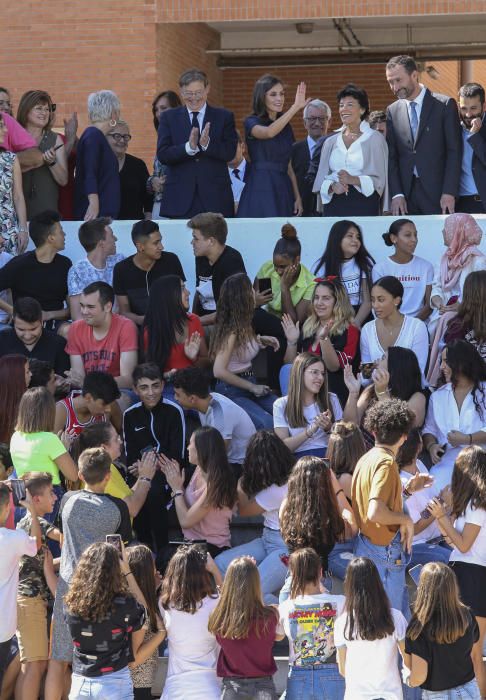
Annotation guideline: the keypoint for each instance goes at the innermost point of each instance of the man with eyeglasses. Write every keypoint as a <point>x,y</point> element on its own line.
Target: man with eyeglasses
<point>317,117</point>
<point>196,141</point>
<point>17,139</point>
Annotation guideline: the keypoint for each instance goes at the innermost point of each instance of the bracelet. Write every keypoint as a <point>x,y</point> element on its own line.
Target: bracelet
<point>406,493</point>
<point>174,494</point>
<point>292,342</point>
<point>23,230</point>
<point>128,574</point>
<point>51,165</point>
<point>470,438</point>
<point>380,393</point>
<point>338,492</point>
<point>307,434</point>
<point>145,478</point>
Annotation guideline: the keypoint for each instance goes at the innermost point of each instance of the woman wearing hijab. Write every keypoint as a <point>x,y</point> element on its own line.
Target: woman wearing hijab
<point>462,236</point>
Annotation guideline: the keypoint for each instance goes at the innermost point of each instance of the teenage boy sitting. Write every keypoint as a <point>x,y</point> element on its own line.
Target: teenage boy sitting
<point>85,517</point>
<point>191,390</point>
<point>158,424</point>
<point>14,544</point>
<point>94,403</point>
<point>36,580</point>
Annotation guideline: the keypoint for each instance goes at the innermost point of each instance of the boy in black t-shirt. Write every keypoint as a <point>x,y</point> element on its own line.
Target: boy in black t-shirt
<point>133,276</point>
<point>42,273</point>
<point>215,262</point>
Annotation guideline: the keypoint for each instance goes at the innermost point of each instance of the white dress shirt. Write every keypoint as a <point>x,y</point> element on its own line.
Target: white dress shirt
<point>237,185</point>
<point>200,118</point>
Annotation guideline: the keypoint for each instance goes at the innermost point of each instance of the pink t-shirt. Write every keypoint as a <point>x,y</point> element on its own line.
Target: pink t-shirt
<point>102,355</point>
<point>17,138</point>
<point>215,526</point>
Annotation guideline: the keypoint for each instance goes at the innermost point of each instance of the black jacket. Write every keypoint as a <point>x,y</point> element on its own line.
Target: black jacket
<point>163,427</point>
<point>478,144</point>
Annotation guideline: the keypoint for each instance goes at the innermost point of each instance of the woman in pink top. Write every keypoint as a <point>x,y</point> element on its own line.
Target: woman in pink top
<point>233,347</point>
<point>205,508</point>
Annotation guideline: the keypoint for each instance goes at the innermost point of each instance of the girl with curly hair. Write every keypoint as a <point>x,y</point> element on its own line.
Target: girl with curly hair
<point>308,618</point>
<point>465,528</point>
<point>233,347</point>
<point>103,596</point>
<point>304,417</point>
<point>440,639</point>
<point>261,490</point>
<point>315,513</point>
<point>246,630</point>
<point>188,597</point>
<point>328,333</point>
<point>456,416</point>
<point>205,507</point>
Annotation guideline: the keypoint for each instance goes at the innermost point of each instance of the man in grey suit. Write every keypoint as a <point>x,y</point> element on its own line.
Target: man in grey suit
<point>424,142</point>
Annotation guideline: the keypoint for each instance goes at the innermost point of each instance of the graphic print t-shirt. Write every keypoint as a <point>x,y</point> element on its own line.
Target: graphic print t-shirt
<point>105,646</point>
<point>308,622</point>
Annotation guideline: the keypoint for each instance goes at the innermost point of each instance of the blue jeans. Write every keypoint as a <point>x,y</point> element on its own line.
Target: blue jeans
<point>112,686</point>
<point>283,378</point>
<point>423,552</point>
<point>341,554</point>
<point>468,691</point>
<point>391,561</point>
<point>320,682</point>
<point>259,408</point>
<point>266,550</point>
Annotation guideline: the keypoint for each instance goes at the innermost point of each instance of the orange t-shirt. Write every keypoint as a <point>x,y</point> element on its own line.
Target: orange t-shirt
<point>376,476</point>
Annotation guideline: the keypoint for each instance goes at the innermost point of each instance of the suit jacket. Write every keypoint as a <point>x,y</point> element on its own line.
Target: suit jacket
<point>300,160</point>
<point>206,172</point>
<point>436,151</point>
<point>478,144</point>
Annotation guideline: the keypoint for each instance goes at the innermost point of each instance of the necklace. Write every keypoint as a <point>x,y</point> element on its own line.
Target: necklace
<point>393,329</point>
<point>352,134</point>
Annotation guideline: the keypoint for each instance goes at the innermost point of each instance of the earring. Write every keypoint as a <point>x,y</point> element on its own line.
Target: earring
<point>113,123</point>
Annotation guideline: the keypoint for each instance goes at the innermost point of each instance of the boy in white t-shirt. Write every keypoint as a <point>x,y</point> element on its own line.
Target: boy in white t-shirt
<point>14,544</point>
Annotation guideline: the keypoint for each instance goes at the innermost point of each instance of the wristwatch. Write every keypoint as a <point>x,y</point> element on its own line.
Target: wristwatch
<point>174,494</point>
<point>145,478</point>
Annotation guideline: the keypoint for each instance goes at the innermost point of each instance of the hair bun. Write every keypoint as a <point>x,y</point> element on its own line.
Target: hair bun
<point>387,238</point>
<point>289,232</point>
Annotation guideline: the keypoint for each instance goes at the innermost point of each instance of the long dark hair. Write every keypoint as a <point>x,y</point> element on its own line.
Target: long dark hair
<point>464,359</point>
<point>405,376</point>
<point>468,483</point>
<point>367,605</point>
<point>166,318</point>
<point>268,461</point>
<point>213,460</point>
<point>332,258</point>
<point>143,569</point>
<point>172,98</point>
<point>234,314</point>
<point>186,582</point>
<point>12,388</point>
<point>311,516</point>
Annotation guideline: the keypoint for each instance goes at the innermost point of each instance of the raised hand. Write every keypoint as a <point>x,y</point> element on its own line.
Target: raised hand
<point>192,345</point>
<point>353,383</point>
<point>204,140</point>
<point>300,99</point>
<point>291,329</point>
<point>381,378</point>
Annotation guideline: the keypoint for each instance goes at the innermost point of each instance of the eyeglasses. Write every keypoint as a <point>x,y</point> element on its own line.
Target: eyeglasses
<point>120,137</point>
<point>321,120</point>
<point>316,372</point>
<point>198,94</point>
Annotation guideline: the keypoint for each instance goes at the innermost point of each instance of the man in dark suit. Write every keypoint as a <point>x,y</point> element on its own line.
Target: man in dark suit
<point>238,169</point>
<point>317,117</point>
<point>196,141</point>
<point>424,142</point>
<point>472,187</point>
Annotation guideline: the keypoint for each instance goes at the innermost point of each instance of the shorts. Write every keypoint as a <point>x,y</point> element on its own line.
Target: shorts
<point>32,628</point>
<point>61,640</point>
<point>8,652</point>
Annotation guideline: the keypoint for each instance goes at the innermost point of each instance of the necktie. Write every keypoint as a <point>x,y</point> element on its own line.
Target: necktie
<point>236,173</point>
<point>413,119</point>
<point>194,123</point>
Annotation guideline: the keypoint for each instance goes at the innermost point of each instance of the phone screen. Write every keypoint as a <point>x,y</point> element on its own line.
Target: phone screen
<point>264,285</point>
<point>116,541</point>
<point>18,490</point>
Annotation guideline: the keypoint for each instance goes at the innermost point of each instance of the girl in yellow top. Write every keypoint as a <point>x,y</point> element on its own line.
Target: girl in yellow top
<point>292,284</point>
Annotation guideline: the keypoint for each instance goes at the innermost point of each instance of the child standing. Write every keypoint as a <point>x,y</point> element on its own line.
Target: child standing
<point>246,630</point>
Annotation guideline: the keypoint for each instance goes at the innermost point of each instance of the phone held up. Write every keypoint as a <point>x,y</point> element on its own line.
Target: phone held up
<point>116,541</point>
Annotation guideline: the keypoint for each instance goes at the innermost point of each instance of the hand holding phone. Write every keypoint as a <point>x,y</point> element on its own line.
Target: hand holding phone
<point>116,541</point>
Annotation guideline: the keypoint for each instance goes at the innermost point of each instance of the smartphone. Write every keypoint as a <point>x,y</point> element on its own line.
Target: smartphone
<point>366,369</point>
<point>415,572</point>
<point>264,285</point>
<point>19,491</point>
<point>116,541</point>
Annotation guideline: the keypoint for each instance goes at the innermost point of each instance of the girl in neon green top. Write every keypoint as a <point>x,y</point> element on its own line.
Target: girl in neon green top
<point>292,284</point>
<point>34,447</point>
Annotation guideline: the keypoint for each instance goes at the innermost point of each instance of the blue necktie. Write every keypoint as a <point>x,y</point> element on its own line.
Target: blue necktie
<point>413,119</point>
